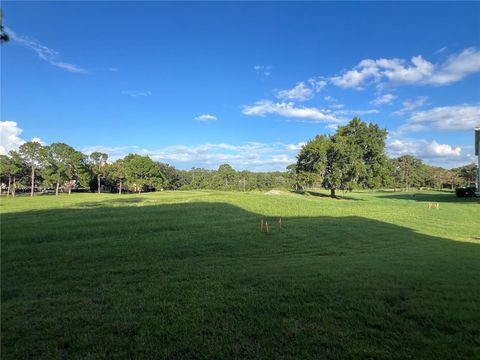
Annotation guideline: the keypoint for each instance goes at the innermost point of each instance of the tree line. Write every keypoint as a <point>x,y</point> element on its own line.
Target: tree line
<point>352,158</point>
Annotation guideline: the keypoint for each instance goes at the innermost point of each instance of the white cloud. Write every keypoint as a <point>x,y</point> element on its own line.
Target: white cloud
<point>295,147</point>
<point>443,149</point>
<point>206,117</point>
<point>457,67</point>
<point>357,77</point>
<point>410,105</point>
<point>384,99</point>
<point>289,110</point>
<point>10,137</point>
<point>333,102</point>
<point>45,53</point>
<point>317,83</point>
<point>356,112</point>
<point>431,152</point>
<point>445,118</point>
<point>263,70</point>
<point>419,71</point>
<point>300,93</point>
<point>442,49</point>
<point>137,93</point>
<point>250,155</point>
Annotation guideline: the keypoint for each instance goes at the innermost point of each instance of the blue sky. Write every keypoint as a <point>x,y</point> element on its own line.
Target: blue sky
<point>200,84</point>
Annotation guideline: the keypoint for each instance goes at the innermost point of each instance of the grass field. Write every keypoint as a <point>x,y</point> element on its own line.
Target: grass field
<point>185,275</point>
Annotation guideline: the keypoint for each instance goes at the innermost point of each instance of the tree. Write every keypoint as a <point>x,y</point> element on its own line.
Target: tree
<point>62,164</point>
<point>226,173</point>
<point>467,173</point>
<point>408,171</point>
<point>369,139</point>
<point>99,161</point>
<point>31,153</point>
<point>142,173</point>
<point>173,178</point>
<point>353,157</point>
<point>3,35</point>
<point>118,173</point>
<point>11,167</point>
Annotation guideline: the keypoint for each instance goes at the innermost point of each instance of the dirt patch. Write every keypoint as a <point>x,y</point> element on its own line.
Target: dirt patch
<point>274,192</point>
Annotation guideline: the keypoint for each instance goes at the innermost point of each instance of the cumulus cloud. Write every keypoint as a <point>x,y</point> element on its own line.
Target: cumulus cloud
<point>250,155</point>
<point>10,137</point>
<point>206,117</point>
<point>384,99</point>
<point>445,118</point>
<point>356,78</point>
<point>45,53</point>
<point>289,110</point>
<point>431,152</point>
<point>137,93</point>
<point>300,92</point>
<point>418,71</point>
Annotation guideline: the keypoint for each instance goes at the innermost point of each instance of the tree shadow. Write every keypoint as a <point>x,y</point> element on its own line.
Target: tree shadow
<point>441,197</point>
<point>199,280</point>
<point>340,195</point>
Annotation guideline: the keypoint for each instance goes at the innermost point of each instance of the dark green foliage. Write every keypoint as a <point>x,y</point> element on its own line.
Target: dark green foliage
<point>142,173</point>
<point>3,35</point>
<point>466,192</point>
<point>354,157</point>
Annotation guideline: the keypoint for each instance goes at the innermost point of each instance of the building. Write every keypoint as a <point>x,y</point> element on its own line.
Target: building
<point>477,153</point>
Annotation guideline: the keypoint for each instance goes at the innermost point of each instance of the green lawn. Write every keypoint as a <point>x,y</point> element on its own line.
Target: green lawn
<point>185,275</point>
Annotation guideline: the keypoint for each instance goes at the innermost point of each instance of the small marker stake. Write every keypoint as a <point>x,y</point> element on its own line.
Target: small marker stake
<point>266,227</point>
<point>280,223</point>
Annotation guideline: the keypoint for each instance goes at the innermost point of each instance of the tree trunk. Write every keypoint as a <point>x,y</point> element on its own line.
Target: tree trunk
<point>332,193</point>
<point>33,181</point>
<point>98,177</point>
<point>70,190</point>
<point>120,188</point>
<point>14,190</point>
<point>56,189</point>
<point>9,181</point>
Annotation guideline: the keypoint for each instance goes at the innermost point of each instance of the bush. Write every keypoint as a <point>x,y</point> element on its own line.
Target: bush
<point>465,192</point>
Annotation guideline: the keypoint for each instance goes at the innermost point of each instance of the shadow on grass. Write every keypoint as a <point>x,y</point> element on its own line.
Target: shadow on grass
<point>340,195</point>
<point>441,196</point>
<point>198,281</point>
<point>105,202</point>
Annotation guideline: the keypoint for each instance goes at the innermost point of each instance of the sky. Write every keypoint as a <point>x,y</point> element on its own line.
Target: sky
<point>245,83</point>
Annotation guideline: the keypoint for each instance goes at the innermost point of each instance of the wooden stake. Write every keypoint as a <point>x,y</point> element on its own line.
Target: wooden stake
<point>280,223</point>
<point>266,227</point>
